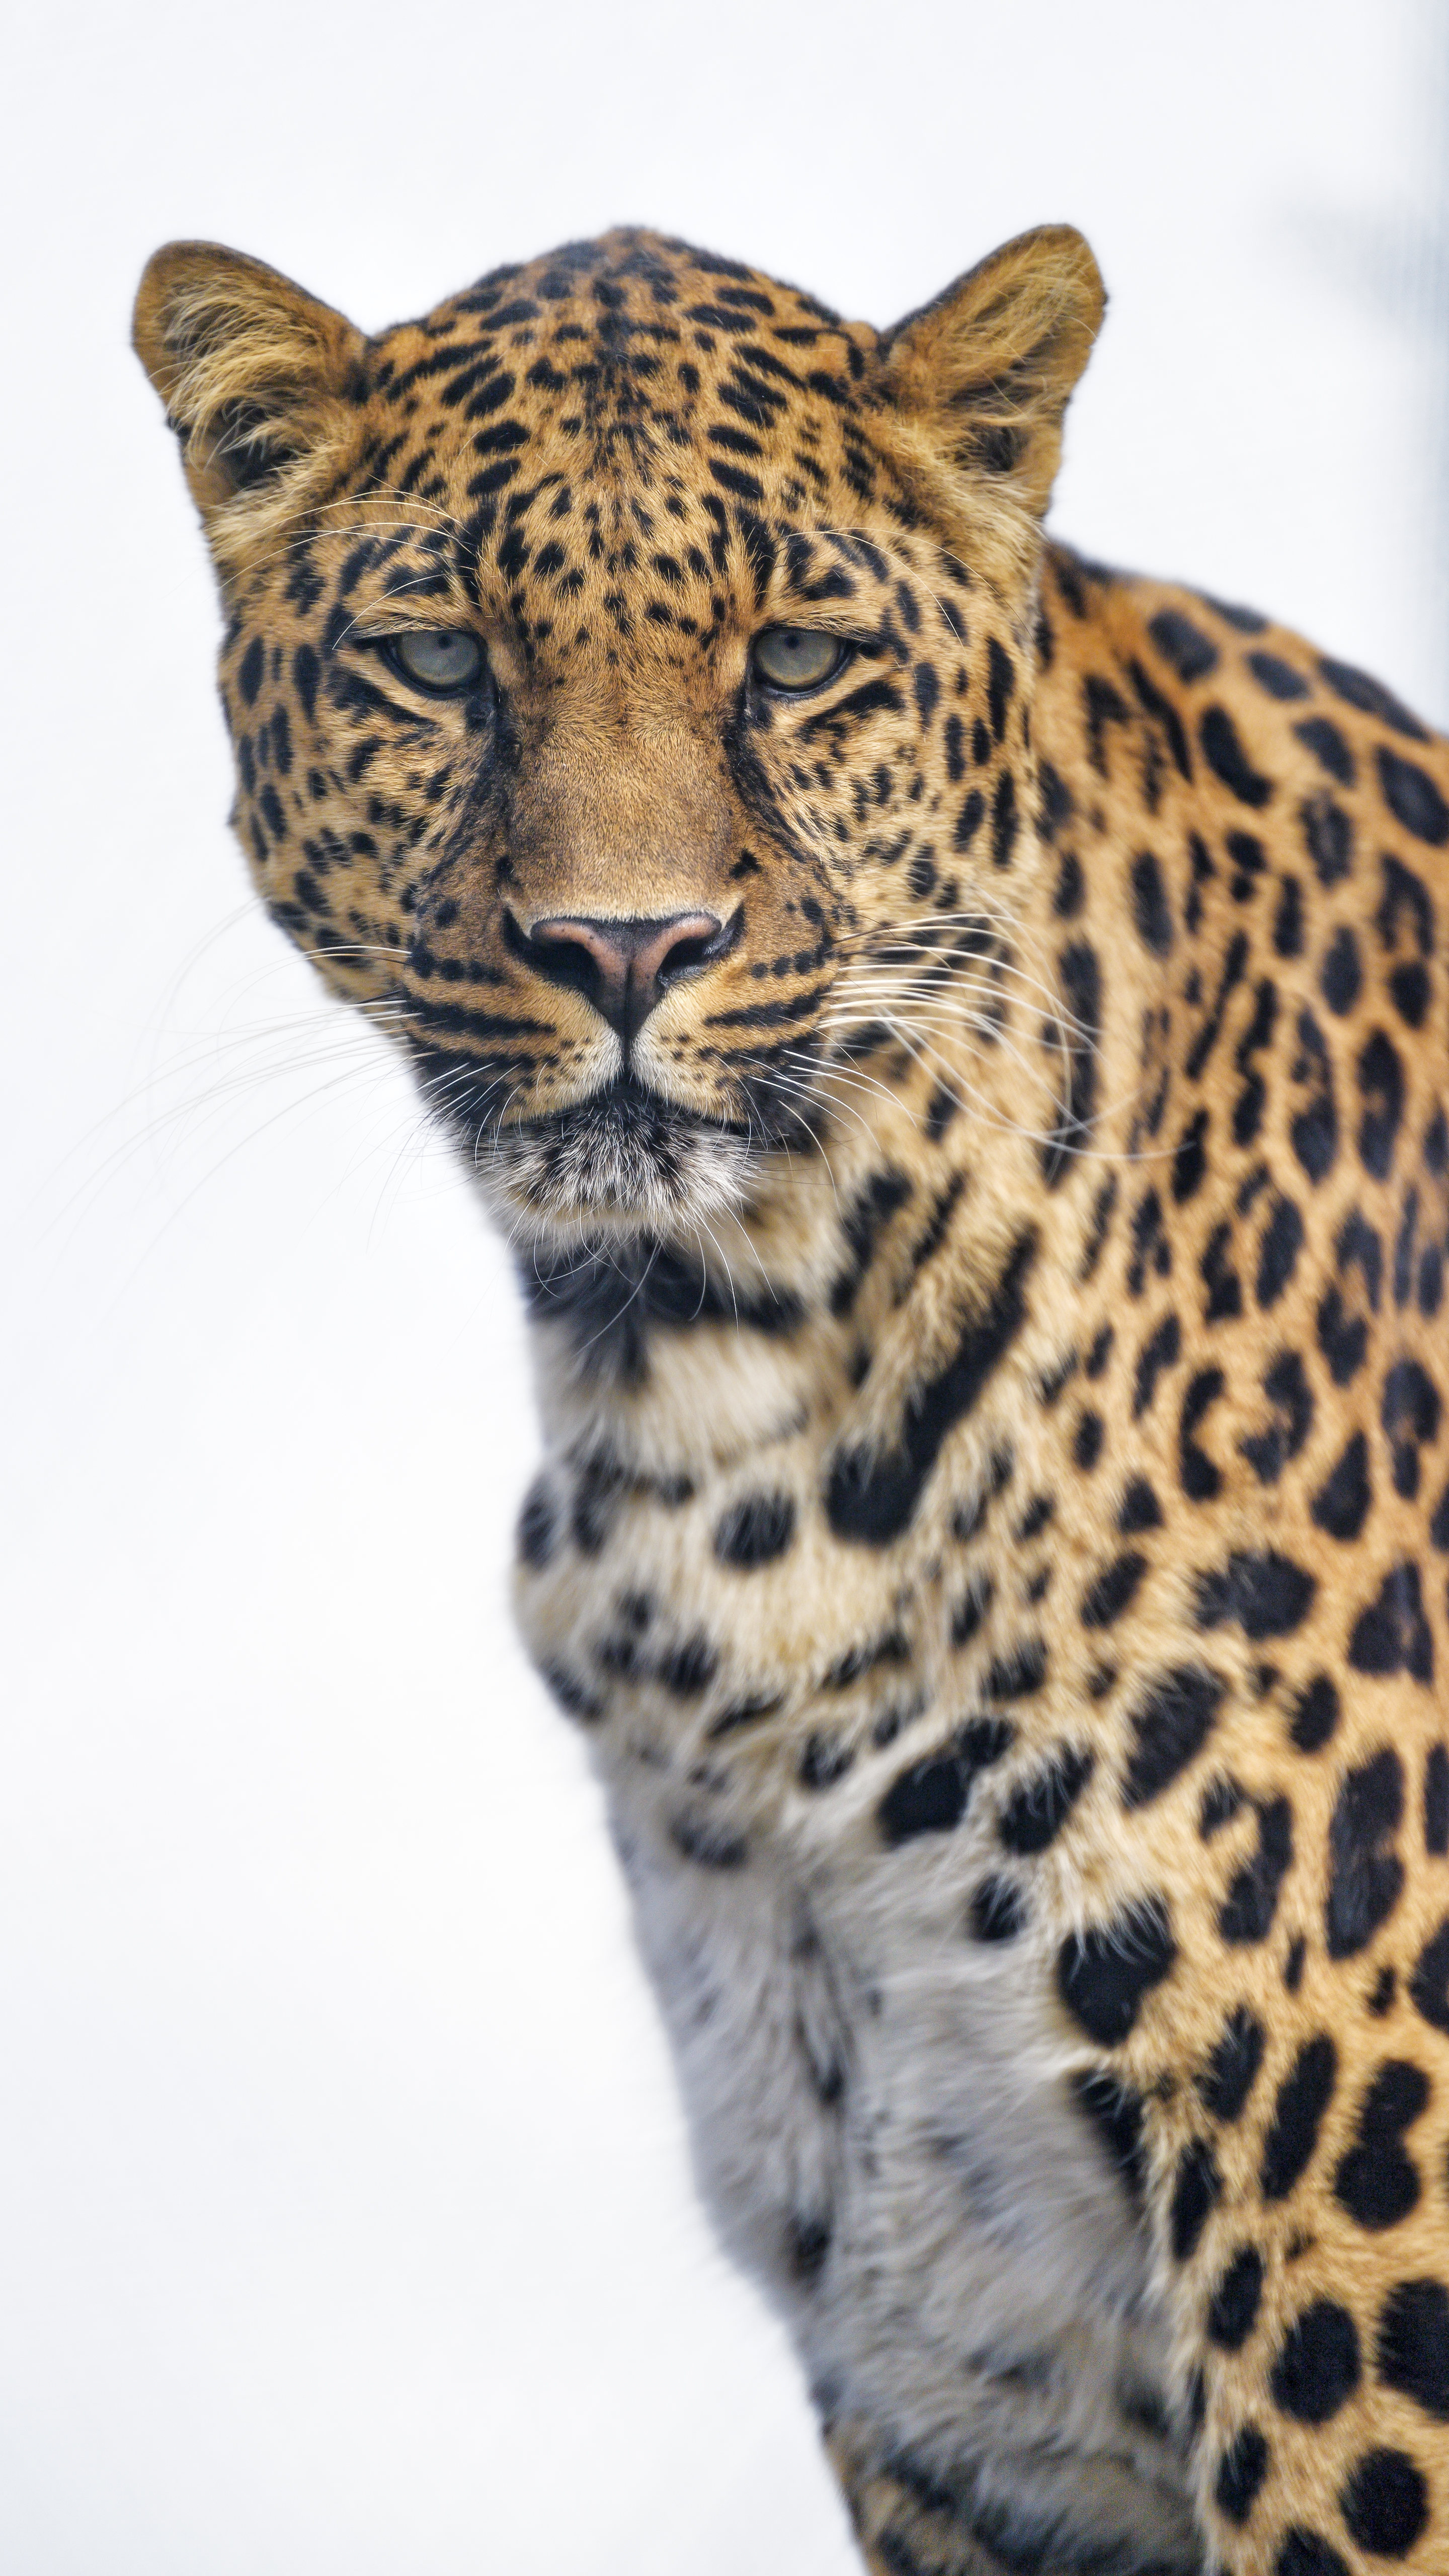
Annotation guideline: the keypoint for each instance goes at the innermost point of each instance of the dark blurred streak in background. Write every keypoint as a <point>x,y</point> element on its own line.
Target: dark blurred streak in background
<point>1427,302</point>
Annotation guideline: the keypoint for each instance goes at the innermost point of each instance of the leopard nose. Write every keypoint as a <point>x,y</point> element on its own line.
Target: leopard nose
<point>624,966</point>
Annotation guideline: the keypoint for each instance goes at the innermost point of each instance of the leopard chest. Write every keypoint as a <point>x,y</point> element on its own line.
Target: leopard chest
<point>889,2134</point>
<point>886,2107</point>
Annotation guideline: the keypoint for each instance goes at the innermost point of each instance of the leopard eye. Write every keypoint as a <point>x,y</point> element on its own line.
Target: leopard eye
<point>438,658</point>
<point>796,657</point>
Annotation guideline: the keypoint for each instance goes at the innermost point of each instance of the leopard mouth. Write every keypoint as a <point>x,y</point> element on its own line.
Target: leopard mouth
<point>620,1145</point>
<point>625,1160</point>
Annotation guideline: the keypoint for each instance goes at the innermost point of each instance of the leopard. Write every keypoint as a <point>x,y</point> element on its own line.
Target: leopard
<point>956,1037</point>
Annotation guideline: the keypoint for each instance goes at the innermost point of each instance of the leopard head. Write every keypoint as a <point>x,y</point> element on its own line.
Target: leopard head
<point>628,672</point>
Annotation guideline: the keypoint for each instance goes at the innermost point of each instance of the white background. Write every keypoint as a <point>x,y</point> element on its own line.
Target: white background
<point>344,2217</point>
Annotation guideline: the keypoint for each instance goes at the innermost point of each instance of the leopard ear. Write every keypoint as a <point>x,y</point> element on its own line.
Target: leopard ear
<point>979,379</point>
<point>261,383</point>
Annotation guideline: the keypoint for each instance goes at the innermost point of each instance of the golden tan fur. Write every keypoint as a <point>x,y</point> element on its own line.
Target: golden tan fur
<point>990,1320</point>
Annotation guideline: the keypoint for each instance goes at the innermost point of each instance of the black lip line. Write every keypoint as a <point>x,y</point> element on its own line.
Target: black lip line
<point>453,1066</point>
<point>634,1095</point>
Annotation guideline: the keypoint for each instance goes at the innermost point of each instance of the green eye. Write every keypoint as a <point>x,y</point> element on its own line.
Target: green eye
<point>796,657</point>
<point>438,658</point>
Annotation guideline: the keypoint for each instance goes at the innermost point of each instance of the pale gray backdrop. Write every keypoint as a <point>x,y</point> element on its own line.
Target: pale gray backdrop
<point>345,2228</point>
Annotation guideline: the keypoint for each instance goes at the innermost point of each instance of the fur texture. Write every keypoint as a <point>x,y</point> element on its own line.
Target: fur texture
<point>989,1317</point>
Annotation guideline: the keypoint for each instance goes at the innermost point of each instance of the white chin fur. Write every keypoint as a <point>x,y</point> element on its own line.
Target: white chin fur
<point>607,1171</point>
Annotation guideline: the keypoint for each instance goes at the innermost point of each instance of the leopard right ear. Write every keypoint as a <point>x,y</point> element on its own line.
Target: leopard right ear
<point>973,388</point>
<point>262,384</point>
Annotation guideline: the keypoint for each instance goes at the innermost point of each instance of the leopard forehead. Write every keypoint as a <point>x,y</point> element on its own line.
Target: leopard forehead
<point>629,418</point>
<point>624,449</point>
<point>626,357</point>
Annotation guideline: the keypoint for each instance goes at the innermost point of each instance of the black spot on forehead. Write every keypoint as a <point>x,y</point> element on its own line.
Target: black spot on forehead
<point>634,345</point>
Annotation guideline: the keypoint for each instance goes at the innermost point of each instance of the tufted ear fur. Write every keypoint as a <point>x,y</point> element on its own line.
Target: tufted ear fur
<point>261,383</point>
<point>977,381</point>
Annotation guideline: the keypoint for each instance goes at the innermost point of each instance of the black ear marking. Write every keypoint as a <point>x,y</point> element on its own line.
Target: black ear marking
<point>981,376</point>
<point>247,446</point>
<point>259,379</point>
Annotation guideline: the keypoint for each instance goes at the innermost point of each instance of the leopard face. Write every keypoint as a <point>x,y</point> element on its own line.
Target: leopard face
<point>607,710</point>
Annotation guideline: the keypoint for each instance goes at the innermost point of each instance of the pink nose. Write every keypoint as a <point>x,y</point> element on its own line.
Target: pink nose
<point>625,966</point>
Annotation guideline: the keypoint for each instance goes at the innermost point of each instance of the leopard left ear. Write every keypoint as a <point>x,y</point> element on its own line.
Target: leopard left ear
<point>262,383</point>
<point>978,380</point>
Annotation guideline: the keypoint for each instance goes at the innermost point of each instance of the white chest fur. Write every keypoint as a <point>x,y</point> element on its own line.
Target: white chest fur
<point>885,2129</point>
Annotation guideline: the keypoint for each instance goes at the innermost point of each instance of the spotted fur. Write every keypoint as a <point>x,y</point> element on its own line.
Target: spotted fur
<point>991,1332</point>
